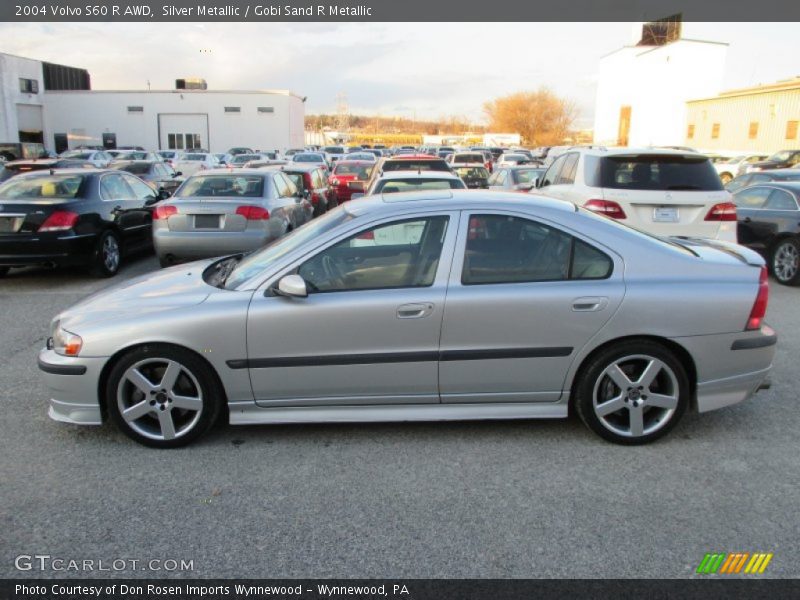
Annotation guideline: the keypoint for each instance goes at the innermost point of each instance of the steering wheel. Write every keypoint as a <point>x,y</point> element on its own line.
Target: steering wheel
<point>332,271</point>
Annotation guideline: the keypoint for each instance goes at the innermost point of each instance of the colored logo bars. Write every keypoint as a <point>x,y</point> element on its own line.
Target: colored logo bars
<point>736,562</point>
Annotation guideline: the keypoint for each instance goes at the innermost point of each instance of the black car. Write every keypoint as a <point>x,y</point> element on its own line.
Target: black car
<point>74,217</point>
<point>160,175</point>
<point>40,164</point>
<point>742,181</point>
<point>475,178</point>
<point>769,222</point>
<point>785,159</point>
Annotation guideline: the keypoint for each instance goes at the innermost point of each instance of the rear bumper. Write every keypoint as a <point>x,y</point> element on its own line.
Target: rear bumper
<point>204,244</point>
<point>73,387</point>
<point>63,250</point>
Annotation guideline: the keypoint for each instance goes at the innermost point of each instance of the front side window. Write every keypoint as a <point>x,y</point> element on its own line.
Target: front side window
<point>505,249</point>
<point>551,175</point>
<point>567,175</point>
<point>396,255</point>
<point>141,190</point>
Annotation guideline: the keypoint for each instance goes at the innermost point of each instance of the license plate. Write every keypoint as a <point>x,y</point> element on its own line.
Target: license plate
<point>665,214</point>
<point>206,221</point>
<point>8,224</point>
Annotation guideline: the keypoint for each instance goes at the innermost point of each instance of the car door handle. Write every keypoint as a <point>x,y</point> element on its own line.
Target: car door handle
<point>747,220</point>
<point>589,304</point>
<point>414,311</point>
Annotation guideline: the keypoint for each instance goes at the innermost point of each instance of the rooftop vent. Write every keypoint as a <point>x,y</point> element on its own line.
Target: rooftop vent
<point>191,83</point>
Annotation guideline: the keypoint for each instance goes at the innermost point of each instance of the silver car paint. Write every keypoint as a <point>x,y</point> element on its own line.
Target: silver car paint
<point>699,303</point>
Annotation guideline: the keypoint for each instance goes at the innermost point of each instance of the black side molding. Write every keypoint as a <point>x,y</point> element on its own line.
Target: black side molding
<point>61,369</point>
<point>755,342</point>
<point>396,357</point>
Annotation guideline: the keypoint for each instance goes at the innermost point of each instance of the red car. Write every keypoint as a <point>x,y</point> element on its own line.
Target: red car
<point>346,172</point>
<point>311,180</point>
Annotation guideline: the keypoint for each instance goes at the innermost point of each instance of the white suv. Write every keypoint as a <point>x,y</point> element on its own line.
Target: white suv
<point>663,192</point>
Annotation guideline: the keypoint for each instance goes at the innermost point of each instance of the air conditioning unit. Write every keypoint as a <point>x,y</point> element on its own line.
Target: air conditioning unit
<point>191,83</point>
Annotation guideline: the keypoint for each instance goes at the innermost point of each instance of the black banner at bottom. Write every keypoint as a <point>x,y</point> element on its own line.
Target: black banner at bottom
<point>394,589</point>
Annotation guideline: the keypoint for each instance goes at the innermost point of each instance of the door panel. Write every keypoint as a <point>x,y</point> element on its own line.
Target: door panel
<point>364,346</point>
<point>514,342</point>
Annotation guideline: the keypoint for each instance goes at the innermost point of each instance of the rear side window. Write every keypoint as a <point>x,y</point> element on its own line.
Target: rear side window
<point>753,197</point>
<point>503,249</point>
<point>659,172</point>
<point>780,200</point>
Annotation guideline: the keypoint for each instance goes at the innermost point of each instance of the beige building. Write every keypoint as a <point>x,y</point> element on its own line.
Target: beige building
<point>761,119</point>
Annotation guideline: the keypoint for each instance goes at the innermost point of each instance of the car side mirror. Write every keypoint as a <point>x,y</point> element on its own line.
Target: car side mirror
<point>163,194</point>
<point>153,199</point>
<point>291,286</point>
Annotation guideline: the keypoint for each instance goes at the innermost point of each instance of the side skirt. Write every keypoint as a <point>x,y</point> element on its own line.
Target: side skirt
<point>250,414</point>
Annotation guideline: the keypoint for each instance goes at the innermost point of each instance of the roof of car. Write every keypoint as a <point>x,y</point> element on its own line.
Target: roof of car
<point>793,186</point>
<point>418,174</point>
<point>456,199</point>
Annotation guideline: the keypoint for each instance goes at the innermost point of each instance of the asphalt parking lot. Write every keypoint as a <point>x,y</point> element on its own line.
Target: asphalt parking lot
<point>495,499</point>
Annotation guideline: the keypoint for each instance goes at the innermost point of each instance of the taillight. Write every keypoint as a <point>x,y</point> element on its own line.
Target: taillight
<point>607,208</point>
<point>724,211</point>
<point>164,212</point>
<point>60,220</point>
<point>760,305</point>
<point>253,213</point>
<point>367,235</point>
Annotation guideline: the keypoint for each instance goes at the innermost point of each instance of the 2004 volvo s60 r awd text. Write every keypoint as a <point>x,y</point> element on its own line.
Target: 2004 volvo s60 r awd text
<point>428,306</point>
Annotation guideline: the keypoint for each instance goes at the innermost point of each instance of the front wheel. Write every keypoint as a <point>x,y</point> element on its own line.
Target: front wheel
<point>162,396</point>
<point>632,392</point>
<point>785,262</point>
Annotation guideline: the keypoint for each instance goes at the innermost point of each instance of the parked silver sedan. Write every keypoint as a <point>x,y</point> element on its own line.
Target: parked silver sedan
<point>438,305</point>
<point>222,212</point>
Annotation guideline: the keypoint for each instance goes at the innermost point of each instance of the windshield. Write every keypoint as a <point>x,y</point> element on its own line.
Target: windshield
<point>242,186</point>
<point>256,262</point>
<point>415,164</point>
<point>135,168</point>
<point>527,175</point>
<point>514,157</point>
<point>360,171</point>
<point>199,157</point>
<point>243,158</point>
<point>468,158</point>
<point>657,173</point>
<point>393,186</point>
<point>472,172</point>
<point>49,186</point>
<point>77,154</point>
<point>334,149</point>
<point>308,158</point>
<point>783,155</point>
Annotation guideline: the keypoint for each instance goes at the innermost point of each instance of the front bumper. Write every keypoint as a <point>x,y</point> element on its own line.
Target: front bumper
<point>73,386</point>
<point>21,250</point>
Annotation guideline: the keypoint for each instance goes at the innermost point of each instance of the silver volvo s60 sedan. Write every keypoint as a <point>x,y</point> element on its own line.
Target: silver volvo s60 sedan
<point>439,305</point>
<point>222,211</point>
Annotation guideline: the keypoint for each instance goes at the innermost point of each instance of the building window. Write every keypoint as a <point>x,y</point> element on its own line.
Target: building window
<point>193,141</point>
<point>233,109</point>
<point>690,131</point>
<point>28,86</point>
<point>266,109</point>
<point>791,130</point>
<point>175,141</point>
<point>715,131</point>
<point>136,109</point>
<point>753,133</point>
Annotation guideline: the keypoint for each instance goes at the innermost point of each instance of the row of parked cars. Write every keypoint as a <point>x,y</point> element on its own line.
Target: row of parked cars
<point>70,212</point>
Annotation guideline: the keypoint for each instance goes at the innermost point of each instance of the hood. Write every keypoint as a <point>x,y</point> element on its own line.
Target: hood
<point>167,289</point>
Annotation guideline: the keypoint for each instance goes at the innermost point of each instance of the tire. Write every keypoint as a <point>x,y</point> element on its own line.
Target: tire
<point>4,271</point>
<point>159,413</point>
<point>107,255</point>
<point>619,375</point>
<point>784,261</point>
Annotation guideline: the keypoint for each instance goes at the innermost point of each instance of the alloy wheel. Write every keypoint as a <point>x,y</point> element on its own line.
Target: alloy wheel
<point>786,261</point>
<point>635,395</point>
<point>110,252</point>
<point>160,399</point>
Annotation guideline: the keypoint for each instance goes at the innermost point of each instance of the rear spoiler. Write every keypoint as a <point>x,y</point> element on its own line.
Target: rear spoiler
<point>747,256</point>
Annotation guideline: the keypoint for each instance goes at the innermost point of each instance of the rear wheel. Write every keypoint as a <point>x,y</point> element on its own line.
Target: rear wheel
<point>107,255</point>
<point>162,396</point>
<point>785,261</point>
<point>633,392</point>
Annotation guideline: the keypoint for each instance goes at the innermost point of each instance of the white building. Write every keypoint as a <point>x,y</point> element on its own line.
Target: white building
<point>643,88</point>
<point>177,119</point>
<point>55,106</point>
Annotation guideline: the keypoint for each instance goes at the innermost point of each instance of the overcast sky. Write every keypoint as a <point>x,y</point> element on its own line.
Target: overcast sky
<point>410,69</point>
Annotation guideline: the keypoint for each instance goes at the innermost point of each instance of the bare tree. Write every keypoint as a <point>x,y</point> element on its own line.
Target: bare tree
<point>542,118</point>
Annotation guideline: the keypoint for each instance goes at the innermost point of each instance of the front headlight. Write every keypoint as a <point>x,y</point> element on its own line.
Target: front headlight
<point>65,342</point>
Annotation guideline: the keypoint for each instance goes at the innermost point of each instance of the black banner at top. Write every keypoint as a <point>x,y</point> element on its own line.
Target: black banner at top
<point>395,10</point>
